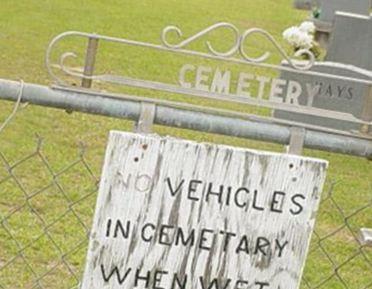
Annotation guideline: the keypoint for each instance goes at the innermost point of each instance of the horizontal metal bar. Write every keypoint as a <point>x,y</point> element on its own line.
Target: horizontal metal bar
<point>313,111</point>
<point>362,72</point>
<point>96,103</point>
<point>218,111</point>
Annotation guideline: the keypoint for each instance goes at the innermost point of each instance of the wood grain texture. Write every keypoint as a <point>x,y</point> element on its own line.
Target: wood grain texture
<point>176,214</point>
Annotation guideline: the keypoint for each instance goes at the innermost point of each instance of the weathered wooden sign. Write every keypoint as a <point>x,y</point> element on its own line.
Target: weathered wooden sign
<point>174,214</point>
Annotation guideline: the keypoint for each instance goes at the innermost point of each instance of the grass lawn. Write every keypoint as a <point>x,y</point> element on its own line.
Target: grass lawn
<point>60,186</point>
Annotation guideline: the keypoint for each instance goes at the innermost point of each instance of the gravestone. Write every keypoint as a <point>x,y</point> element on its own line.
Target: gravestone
<point>329,8</point>
<point>332,94</point>
<point>304,4</point>
<point>327,11</point>
<point>177,214</point>
<point>351,40</point>
<point>349,55</point>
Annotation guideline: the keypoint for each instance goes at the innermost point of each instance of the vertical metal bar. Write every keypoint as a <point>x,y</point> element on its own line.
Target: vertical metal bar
<point>90,60</point>
<point>146,118</point>
<point>296,142</point>
<point>367,111</point>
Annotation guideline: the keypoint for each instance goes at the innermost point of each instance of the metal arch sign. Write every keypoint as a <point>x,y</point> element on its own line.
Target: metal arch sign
<point>221,84</point>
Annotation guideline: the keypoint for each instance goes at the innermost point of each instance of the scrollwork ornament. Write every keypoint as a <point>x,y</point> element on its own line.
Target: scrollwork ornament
<point>169,29</point>
<point>264,57</point>
<point>236,48</point>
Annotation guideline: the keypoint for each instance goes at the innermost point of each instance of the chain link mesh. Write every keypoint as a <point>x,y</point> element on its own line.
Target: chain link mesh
<point>45,216</point>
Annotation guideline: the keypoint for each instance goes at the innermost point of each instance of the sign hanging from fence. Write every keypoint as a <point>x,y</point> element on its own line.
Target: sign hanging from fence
<point>177,214</point>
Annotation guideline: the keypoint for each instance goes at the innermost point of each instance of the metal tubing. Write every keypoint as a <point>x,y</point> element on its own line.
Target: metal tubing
<point>96,103</point>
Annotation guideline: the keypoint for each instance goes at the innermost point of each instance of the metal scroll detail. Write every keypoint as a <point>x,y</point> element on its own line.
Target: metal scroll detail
<point>200,34</point>
<point>266,55</point>
<point>239,45</point>
<point>237,48</point>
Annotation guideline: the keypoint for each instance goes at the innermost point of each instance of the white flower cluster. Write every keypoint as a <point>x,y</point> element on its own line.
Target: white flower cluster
<point>301,37</point>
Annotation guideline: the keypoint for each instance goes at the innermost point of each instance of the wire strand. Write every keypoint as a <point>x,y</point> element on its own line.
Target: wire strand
<point>16,107</point>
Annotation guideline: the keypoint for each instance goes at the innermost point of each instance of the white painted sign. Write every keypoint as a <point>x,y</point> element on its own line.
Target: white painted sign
<point>174,214</point>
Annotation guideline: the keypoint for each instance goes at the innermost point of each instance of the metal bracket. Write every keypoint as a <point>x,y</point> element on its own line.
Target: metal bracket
<point>366,236</point>
<point>296,142</point>
<point>146,118</point>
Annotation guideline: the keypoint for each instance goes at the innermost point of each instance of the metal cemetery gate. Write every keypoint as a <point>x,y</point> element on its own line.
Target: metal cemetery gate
<point>225,92</point>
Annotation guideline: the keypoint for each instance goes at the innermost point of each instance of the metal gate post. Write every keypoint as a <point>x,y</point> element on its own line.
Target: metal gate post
<point>90,60</point>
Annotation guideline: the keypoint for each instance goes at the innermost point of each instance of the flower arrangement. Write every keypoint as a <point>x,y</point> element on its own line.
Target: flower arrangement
<point>302,37</point>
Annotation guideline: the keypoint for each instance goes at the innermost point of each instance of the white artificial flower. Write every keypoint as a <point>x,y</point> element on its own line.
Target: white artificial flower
<point>307,27</point>
<point>291,35</point>
<point>305,41</point>
<point>298,38</point>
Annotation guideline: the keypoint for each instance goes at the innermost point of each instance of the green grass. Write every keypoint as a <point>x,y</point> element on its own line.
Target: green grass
<point>27,26</point>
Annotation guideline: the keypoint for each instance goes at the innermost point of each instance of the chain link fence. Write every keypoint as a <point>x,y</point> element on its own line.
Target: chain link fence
<point>45,216</point>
